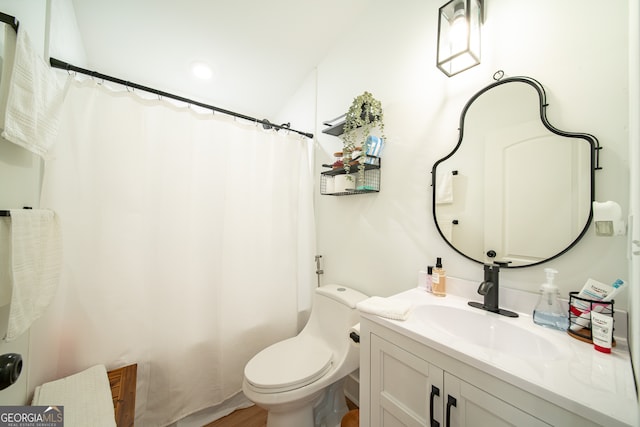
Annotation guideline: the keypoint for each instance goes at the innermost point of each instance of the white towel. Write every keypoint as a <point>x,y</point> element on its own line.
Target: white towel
<point>8,54</point>
<point>36,260</point>
<point>444,191</point>
<point>85,396</point>
<point>34,101</point>
<point>5,260</point>
<point>385,307</point>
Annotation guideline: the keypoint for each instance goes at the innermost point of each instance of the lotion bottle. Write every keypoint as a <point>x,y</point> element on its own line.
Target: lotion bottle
<point>439,279</point>
<point>424,279</point>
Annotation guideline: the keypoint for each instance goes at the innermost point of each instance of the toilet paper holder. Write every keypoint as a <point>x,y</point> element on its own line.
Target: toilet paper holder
<point>10,369</point>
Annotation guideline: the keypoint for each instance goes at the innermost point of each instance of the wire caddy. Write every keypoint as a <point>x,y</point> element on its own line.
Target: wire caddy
<point>580,326</point>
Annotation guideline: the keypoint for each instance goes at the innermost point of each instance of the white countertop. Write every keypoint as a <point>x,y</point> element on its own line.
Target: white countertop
<point>596,385</point>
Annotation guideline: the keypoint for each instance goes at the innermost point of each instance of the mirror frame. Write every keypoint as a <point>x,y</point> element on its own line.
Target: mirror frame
<point>592,140</point>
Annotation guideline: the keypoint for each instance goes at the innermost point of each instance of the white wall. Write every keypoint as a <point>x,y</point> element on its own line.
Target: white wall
<point>300,112</point>
<point>32,16</point>
<point>634,156</point>
<point>19,169</point>
<point>63,37</point>
<point>20,186</point>
<point>576,48</point>
<point>52,29</point>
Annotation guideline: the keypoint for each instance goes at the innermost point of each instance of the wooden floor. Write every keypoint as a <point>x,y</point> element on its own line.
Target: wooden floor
<point>253,416</point>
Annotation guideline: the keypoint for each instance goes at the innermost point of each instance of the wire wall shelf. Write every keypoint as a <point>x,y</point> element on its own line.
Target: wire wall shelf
<point>337,182</point>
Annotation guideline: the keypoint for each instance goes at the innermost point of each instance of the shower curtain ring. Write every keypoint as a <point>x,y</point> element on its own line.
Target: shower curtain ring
<point>93,77</point>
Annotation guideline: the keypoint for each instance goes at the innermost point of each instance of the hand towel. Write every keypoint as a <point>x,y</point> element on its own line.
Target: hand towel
<point>8,54</point>
<point>5,260</point>
<point>36,260</point>
<point>444,190</point>
<point>385,307</point>
<point>85,396</point>
<point>34,100</point>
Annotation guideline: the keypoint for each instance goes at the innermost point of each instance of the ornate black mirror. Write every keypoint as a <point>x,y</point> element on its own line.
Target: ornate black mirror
<point>514,189</point>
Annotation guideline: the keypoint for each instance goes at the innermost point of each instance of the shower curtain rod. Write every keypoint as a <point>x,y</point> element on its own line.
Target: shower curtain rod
<point>56,63</point>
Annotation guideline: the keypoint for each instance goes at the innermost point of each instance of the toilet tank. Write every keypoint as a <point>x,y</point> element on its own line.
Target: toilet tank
<point>333,313</point>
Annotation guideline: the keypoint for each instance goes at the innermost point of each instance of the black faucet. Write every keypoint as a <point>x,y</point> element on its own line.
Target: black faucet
<point>490,290</point>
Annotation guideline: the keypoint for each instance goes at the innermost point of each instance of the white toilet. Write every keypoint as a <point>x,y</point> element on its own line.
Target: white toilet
<point>299,380</point>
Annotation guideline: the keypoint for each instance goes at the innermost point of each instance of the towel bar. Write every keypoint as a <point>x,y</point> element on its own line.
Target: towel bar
<point>8,213</point>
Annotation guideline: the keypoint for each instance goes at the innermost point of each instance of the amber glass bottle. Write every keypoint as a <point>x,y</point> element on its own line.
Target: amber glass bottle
<point>439,279</point>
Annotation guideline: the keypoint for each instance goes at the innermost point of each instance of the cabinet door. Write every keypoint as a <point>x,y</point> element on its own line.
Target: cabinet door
<point>404,387</point>
<point>469,406</point>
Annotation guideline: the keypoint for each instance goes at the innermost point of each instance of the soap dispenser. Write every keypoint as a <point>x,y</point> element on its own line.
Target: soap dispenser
<point>549,311</point>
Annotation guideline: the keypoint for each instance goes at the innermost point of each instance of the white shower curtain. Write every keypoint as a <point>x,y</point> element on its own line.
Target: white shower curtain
<point>186,236</point>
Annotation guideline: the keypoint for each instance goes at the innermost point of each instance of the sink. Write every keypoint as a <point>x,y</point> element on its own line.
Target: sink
<point>487,330</point>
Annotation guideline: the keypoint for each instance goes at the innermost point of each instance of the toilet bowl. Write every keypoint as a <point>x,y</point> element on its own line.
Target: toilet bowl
<point>299,380</point>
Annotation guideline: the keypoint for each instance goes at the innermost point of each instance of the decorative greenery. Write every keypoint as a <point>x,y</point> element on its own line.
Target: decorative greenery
<point>363,116</point>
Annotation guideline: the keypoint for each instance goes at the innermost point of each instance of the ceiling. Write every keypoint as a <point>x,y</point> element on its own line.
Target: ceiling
<point>260,51</point>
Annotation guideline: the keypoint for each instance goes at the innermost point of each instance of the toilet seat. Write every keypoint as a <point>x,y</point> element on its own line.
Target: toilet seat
<point>288,365</point>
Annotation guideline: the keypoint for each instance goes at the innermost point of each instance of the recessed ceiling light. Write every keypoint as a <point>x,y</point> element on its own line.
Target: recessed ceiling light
<point>201,70</point>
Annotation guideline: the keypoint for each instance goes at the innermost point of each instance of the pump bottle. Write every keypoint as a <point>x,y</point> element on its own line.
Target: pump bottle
<point>439,279</point>
<point>549,311</point>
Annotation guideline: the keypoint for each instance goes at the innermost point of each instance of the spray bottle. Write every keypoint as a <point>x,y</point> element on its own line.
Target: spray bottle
<point>549,311</point>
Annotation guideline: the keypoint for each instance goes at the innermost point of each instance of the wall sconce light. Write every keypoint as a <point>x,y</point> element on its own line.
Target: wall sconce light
<point>459,24</point>
<point>607,217</point>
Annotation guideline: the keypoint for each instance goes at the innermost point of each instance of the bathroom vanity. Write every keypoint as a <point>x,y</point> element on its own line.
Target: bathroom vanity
<point>449,364</point>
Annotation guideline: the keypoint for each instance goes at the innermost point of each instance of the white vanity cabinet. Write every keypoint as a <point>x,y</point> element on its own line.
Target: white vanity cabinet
<point>405,383</point>
<point>400,386</point>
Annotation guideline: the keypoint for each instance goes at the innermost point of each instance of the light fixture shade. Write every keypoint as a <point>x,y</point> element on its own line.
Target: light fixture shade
<point>459,24</point>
